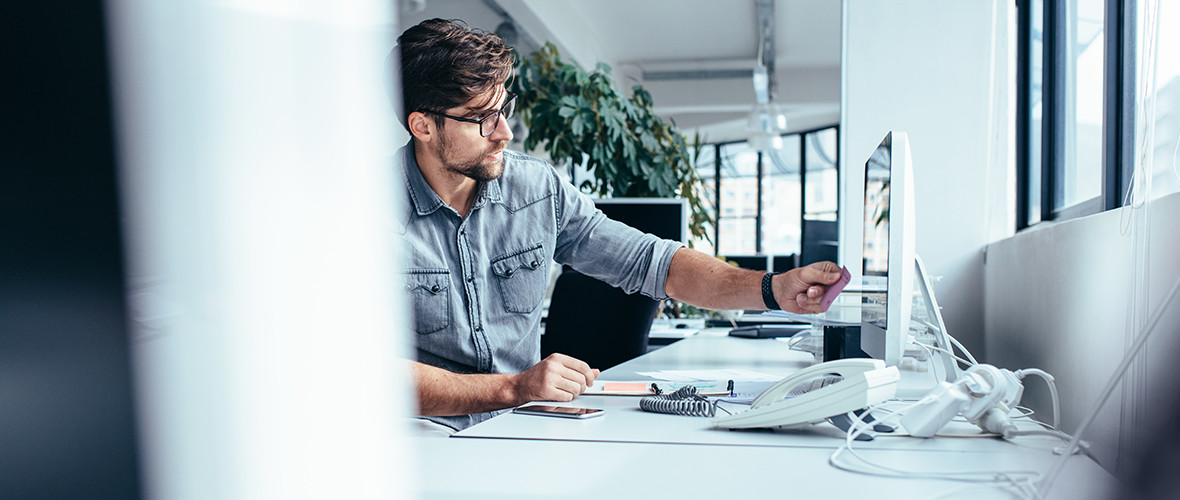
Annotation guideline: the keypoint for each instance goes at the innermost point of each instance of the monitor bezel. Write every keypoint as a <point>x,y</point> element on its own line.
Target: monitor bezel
<point>888,344</point>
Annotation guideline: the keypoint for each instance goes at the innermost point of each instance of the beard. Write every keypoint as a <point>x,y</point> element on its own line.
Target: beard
<point>476,165</point>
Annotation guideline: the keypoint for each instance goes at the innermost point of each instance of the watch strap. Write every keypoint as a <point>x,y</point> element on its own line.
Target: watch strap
<point>768,292</point>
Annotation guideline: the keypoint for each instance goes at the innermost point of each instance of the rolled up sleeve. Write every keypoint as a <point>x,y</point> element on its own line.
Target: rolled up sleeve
<point>609,250</point>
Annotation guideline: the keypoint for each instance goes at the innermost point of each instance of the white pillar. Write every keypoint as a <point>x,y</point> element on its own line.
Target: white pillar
<point>255,141</point>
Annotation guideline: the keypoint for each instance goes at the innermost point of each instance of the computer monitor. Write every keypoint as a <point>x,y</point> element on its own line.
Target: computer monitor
<point>888,273</point>
<point>664,217</point>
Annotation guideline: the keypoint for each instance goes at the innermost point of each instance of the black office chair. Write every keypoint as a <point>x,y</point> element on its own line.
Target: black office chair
<point>595,322</point>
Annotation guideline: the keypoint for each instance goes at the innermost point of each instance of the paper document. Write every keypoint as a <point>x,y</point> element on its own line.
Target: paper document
<point>649,388</point>
<point>735,374</point>
<point>745,392</point>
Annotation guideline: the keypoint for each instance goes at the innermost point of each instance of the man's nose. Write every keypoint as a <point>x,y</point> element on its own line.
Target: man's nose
<point>503,131</point>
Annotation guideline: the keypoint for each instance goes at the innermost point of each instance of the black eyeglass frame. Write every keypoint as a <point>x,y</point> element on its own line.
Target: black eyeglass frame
<point>506,110</point>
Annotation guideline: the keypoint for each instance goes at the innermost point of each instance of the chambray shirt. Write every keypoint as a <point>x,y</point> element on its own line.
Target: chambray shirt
<point>476,283</point>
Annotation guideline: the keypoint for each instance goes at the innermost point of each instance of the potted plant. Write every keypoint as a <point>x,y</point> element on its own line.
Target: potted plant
<point>630,151</point>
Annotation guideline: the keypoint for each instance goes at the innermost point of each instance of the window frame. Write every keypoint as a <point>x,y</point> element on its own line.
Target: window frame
<point>761,173</point>
<point>1119,71</point>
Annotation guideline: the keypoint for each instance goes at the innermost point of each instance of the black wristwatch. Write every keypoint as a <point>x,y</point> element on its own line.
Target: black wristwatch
<point>768,292</point>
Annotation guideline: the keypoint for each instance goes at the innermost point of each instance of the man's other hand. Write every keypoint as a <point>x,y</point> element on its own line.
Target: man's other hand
<point>803,287</point>
<point>556,378</point>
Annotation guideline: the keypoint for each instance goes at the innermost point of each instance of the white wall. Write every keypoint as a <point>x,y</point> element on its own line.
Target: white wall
<point>1069,298</point>
<point>937,70</point>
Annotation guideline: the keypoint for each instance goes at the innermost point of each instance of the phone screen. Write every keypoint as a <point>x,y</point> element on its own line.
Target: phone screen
<point>558,411</point>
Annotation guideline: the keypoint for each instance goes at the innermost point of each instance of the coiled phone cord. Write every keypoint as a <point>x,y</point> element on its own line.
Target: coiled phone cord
<point>683,401</point>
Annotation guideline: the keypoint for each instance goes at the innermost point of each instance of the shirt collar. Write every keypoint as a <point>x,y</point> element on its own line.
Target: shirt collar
<point>423,197</point>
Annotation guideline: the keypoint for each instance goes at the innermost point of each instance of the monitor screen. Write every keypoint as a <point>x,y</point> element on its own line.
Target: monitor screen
<point>666,218</point>
<point>888,258</point>
<point>876,235</point>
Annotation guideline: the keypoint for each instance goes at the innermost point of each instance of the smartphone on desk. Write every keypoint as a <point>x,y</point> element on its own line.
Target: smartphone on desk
<point>558,411</point>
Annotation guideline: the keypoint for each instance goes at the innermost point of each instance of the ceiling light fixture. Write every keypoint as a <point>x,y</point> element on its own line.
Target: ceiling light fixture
<point>767,121</point>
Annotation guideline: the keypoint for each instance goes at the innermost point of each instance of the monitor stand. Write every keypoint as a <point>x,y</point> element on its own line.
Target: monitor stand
<point>914,383</point>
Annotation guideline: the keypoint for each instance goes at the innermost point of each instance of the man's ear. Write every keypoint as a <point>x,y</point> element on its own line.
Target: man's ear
<point>422,127</point>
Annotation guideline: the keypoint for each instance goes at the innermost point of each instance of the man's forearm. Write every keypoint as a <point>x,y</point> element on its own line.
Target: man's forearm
<point>705,281</point>
<point>443,393</point>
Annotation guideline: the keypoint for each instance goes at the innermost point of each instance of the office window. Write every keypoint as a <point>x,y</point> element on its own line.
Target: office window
<point>1069,118</point>
<point>821,182</point>
<point>1160,120</point>
<point>738,224</point>
<point>706,166</point>
<point>781,191</point>
<point>1080,176</point>
<point>763,199</point>
<point>1098,106</point>
<point>1034,35</point>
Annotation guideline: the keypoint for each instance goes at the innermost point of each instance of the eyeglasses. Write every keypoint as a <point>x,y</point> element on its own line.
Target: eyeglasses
<point>489,122</point>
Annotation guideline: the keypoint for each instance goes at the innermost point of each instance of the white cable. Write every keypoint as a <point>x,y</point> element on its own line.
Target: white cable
<point>930,352</point>
<point>962,349</point>
<point>1136,221</point>
<point>1047,482</point>
<point>1020,374</point>
<point>1022,481</point>
<point>945,351</point>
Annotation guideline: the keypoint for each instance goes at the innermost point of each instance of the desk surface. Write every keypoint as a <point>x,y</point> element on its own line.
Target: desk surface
<point>630,453</point>
<point>527,469</point>
<point>625,422</point>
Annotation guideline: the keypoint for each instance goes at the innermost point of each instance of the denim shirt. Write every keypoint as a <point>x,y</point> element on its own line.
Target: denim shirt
<point>476,284</point>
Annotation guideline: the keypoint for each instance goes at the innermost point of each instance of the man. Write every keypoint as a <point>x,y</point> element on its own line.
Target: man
<point>482,223</point>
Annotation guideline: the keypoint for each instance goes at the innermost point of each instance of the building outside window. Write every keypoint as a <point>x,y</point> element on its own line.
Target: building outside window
<point>763,198</point>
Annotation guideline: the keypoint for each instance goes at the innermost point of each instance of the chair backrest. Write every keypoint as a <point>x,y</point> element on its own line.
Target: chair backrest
<point>595,322</point>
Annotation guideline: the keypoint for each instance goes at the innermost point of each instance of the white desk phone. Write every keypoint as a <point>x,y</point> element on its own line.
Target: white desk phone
<point>983,395</point>
<point>844,385</point>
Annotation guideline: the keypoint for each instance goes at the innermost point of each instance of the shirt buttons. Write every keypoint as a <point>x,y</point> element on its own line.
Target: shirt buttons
<point>470,279</point>
<point>435,289</point>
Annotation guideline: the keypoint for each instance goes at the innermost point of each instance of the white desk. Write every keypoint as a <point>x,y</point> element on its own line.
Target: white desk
<point>530,469</point>
<point>625,422</point>
<point>634,454</point>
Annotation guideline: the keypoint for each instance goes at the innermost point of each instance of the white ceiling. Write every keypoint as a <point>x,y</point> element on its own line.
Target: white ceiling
<point>702,49</point>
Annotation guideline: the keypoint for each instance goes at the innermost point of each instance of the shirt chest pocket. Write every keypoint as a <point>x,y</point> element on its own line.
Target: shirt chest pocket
<point>522,276</point>
<point>430,297</point>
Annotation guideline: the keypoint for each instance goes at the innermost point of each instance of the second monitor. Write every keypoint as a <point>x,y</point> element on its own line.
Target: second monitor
<point>664,217</point>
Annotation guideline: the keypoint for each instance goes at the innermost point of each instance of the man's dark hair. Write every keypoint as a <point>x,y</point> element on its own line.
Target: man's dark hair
<point>446,63</point>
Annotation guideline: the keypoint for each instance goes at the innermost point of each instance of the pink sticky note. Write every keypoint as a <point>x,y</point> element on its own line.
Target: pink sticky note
<point>625,387</point>
<point>835,288</point>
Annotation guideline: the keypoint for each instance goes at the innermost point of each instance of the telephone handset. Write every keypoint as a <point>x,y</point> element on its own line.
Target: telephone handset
<point>857,383</point>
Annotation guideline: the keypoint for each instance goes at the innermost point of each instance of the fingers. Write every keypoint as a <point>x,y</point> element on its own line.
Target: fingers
<point>809,303</point>
<point>825,272</point>
<point>559,378</point>
<point>577,370</point>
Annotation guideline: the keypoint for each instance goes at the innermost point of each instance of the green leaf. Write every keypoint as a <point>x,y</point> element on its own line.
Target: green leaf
<point>630,150</point>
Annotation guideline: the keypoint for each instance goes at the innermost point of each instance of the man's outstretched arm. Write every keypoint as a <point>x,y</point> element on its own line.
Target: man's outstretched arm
<point>444,393</point>
<point>705,281</point>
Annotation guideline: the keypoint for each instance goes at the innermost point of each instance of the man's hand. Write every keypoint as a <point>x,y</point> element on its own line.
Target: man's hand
<point>556,378</point>
<point>803,287</point>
